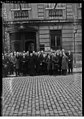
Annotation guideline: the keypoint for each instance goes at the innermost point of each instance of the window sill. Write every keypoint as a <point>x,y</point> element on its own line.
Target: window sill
<point>55,8</point>
<point>22,9</point>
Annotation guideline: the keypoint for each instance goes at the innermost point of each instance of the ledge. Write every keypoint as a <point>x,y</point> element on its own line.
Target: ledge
<point>22,9</point>
<point>35,21</point>
<point>55,8</point>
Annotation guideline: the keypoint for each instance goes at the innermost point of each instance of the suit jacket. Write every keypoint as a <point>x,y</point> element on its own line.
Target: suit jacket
<point>70,58</point>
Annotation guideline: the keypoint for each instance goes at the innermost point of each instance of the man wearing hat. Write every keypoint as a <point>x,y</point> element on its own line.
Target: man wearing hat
<point>70,62</point>
<point>64,64</point>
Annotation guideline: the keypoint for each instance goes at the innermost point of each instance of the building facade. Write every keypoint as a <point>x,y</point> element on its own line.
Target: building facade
<point>37,26</point>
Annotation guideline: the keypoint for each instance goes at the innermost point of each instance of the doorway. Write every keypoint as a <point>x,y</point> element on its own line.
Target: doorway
<point>30,41</point>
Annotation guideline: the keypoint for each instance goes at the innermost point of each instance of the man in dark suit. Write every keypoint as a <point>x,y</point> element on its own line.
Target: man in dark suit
<point>53,64</point>
<point>3,66</point>
<point>56,63</point>
<point>20,63</point>
<point>64,64</point>
<point>27,63</point>
<point>34,60</point>
<point>70,62</point>
<point>31,65</point>
<point>60,62</point>
<point>38,63</point>
<point>24,64</point>
<point>5,62</point>
<point>44,65</point>
<point>17,64</point>
<point>41,60</point>
<point>11,68</point>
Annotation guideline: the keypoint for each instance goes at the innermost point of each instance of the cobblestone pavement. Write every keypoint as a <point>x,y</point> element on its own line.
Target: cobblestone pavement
<point>42,96</point>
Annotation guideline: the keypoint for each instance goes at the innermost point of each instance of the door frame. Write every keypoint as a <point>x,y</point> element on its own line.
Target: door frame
<point>59,32</point>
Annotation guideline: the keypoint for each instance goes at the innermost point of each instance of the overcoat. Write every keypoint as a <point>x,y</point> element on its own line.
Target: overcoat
<point>31,65</point>
<point>17,63</point>
<point>49,64</point>
<point>64,62</point>
<point>37,64</point>
<point>70,60</point>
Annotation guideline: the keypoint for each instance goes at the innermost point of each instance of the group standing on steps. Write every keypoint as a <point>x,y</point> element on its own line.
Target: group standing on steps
<point>57,62</point>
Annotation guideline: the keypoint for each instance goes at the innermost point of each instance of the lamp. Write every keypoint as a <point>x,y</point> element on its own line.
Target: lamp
<point>21,26</point>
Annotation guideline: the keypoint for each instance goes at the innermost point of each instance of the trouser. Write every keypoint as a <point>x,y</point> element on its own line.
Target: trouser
<point>44,69</point>
<point>5,72</point>
<point>11,69</point>
<point>50,72</point>
<point>70,69</point>
<point>32,72</point>
<point>59,70</point>
<point>23,69</point>
<point>56,70</point>
<point>17,72</point>
<point>64,71</point>
<point>37,70</point>
<point>41,70</point>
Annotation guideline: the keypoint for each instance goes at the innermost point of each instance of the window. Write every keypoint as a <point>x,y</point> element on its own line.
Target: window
<point>58,6</point>
<point>24,6</point>
<point>55,13</point>
<point>50,5</point>
<point>55,39</point>
<point>14,6</point>
<point>21,14</point>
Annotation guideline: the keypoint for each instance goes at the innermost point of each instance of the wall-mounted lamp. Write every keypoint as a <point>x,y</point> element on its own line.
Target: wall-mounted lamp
<point>21,27</point>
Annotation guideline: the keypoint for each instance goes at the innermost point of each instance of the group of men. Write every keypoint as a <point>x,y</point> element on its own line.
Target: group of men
<point>37,63</point>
